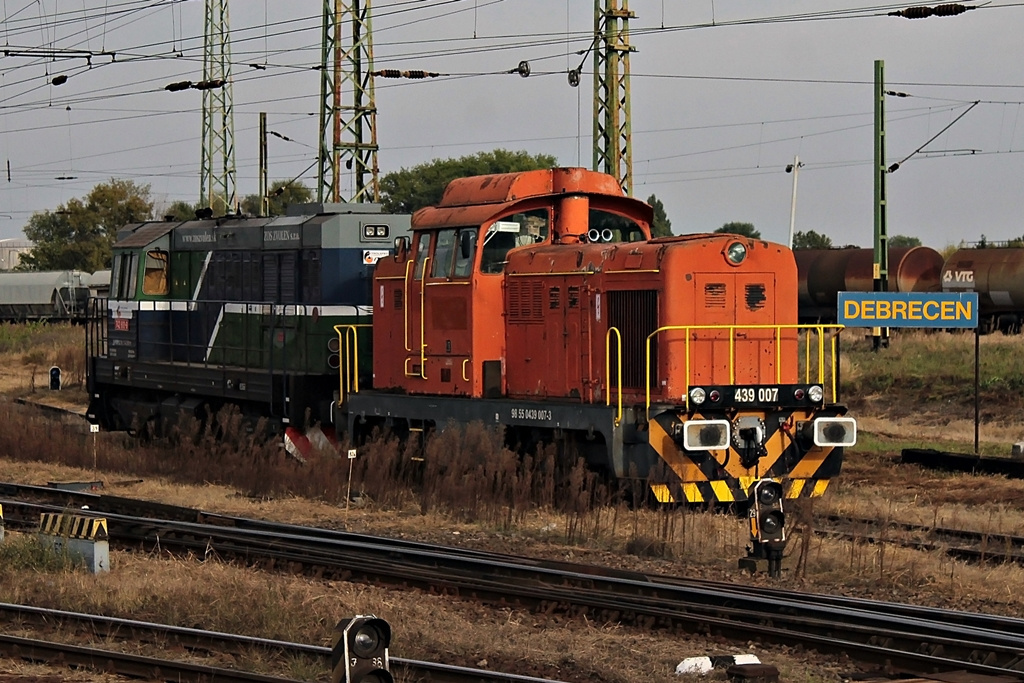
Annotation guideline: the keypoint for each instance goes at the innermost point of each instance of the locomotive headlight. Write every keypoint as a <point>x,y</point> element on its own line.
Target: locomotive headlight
<point>697,396</point>
<point>835,431</point>
<point>736,253</point>
<point>706,435</point>
<point>816,393</point>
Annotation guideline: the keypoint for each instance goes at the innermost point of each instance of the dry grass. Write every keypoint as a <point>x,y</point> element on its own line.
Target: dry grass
<point>222,597</point>
<point>470,491</point>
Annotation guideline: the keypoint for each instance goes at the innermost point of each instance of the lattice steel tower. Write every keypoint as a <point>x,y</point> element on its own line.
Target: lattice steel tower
<point>613,152</point>
<point>217,170</point>
<point>348,112</point>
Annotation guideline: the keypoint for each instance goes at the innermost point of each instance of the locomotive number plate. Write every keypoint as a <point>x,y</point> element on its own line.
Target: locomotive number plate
<point>121,324</point>
<point>757,395</point>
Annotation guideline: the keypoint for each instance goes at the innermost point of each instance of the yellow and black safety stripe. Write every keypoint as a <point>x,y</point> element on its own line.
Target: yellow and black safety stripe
<point>717,476</point>
<point>73,526</point>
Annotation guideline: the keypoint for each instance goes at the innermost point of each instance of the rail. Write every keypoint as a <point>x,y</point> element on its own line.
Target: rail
<point>819,330</point>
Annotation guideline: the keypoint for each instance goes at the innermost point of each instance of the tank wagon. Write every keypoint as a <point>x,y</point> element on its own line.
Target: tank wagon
<point>234,310</point>
<point>534,302</point>
<point>997,275</point>
<point>58,295</point>
<point>826,272</point>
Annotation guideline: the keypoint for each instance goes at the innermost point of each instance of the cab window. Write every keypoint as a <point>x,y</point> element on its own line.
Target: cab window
<point>155,280</point>
<point>507,233</point>
<point>465,250</point>
<point>444,250</point>
<point>123,277</point>
<point>422,249</point>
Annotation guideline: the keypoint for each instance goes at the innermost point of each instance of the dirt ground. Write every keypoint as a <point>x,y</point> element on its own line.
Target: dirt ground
<point>213,595</point>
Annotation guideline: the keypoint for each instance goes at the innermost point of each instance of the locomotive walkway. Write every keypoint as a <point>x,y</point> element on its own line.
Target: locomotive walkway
<point>896,636</point>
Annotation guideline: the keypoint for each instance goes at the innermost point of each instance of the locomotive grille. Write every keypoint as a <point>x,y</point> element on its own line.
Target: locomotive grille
<point>554,298</point>
<point>399,300</point>
<point>714,295</point>
<point>525,301</point>
<point>755,297</point>
<point>635,314</point>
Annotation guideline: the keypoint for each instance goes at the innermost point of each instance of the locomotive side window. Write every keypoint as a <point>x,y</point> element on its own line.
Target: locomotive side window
<point>422,249</point>
<point>155,281</point>
<point>444,251</point>
<point>516,230</point>
<point>124,277</point>
<point>465,250</point>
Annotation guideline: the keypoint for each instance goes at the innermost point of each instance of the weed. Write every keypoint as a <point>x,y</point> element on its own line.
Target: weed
<point>21,552</point>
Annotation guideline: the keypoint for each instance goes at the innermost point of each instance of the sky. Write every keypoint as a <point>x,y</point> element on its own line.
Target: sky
<point>725,94</point>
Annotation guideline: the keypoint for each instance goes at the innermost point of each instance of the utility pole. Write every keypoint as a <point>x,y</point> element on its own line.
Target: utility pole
<point>880,335</point>
<point>217,170</point>
<point>613,153</point>
<point>348,130</point>
<point>264,199</point>
<point>793,168</point>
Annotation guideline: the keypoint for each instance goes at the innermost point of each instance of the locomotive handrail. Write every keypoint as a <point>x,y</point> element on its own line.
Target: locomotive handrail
<point>423,327</point>
<point>818,328</point>
<point>608,370</point>
<point>405,302</point>
<point>348,365</point>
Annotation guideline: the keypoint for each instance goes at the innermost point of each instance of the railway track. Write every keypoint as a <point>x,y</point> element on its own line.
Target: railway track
<point>194,641</point>
<point>904,637</point>
<point>963,544</point>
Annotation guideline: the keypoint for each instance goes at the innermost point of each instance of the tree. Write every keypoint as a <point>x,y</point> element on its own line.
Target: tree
<point>413,188</point>
<point>661,226</point>
<point>811,240</point>
<point>281,194</point>
<point>745,229</point>
<point>180,211</point>
<point>79,235</point>
<point>897,241</point>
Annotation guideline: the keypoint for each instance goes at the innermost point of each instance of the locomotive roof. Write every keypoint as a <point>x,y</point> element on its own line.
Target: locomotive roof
<point>328,230</point>
<point>474,200</point>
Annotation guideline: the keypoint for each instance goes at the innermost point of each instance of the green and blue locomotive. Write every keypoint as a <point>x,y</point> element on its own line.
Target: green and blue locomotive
<point>236,310</point>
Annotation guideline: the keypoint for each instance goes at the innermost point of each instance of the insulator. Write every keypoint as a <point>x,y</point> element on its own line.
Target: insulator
<point>896,93</point>
<point>418,74</point>
<point>950,10</point>
<point>914,13</point>
<point>180,85</point>
<point>59,80</point>
<point>523,69</point>
<point>210,84</point>
<point>388,73</point>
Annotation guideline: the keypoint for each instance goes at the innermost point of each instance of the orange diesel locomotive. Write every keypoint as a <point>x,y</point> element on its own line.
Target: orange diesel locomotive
<point>538,302</point>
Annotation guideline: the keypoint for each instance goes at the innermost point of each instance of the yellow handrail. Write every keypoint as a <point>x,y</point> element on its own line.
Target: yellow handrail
<point>405,302</point>
<point>608,369</point>
<point>423,322</point>
<point>686,329</point>
<point>348,359</point>
<point>423,343</point>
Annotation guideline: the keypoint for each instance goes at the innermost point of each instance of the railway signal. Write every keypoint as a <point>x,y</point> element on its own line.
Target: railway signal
<point>359,651</point>
<point>768,524</point>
